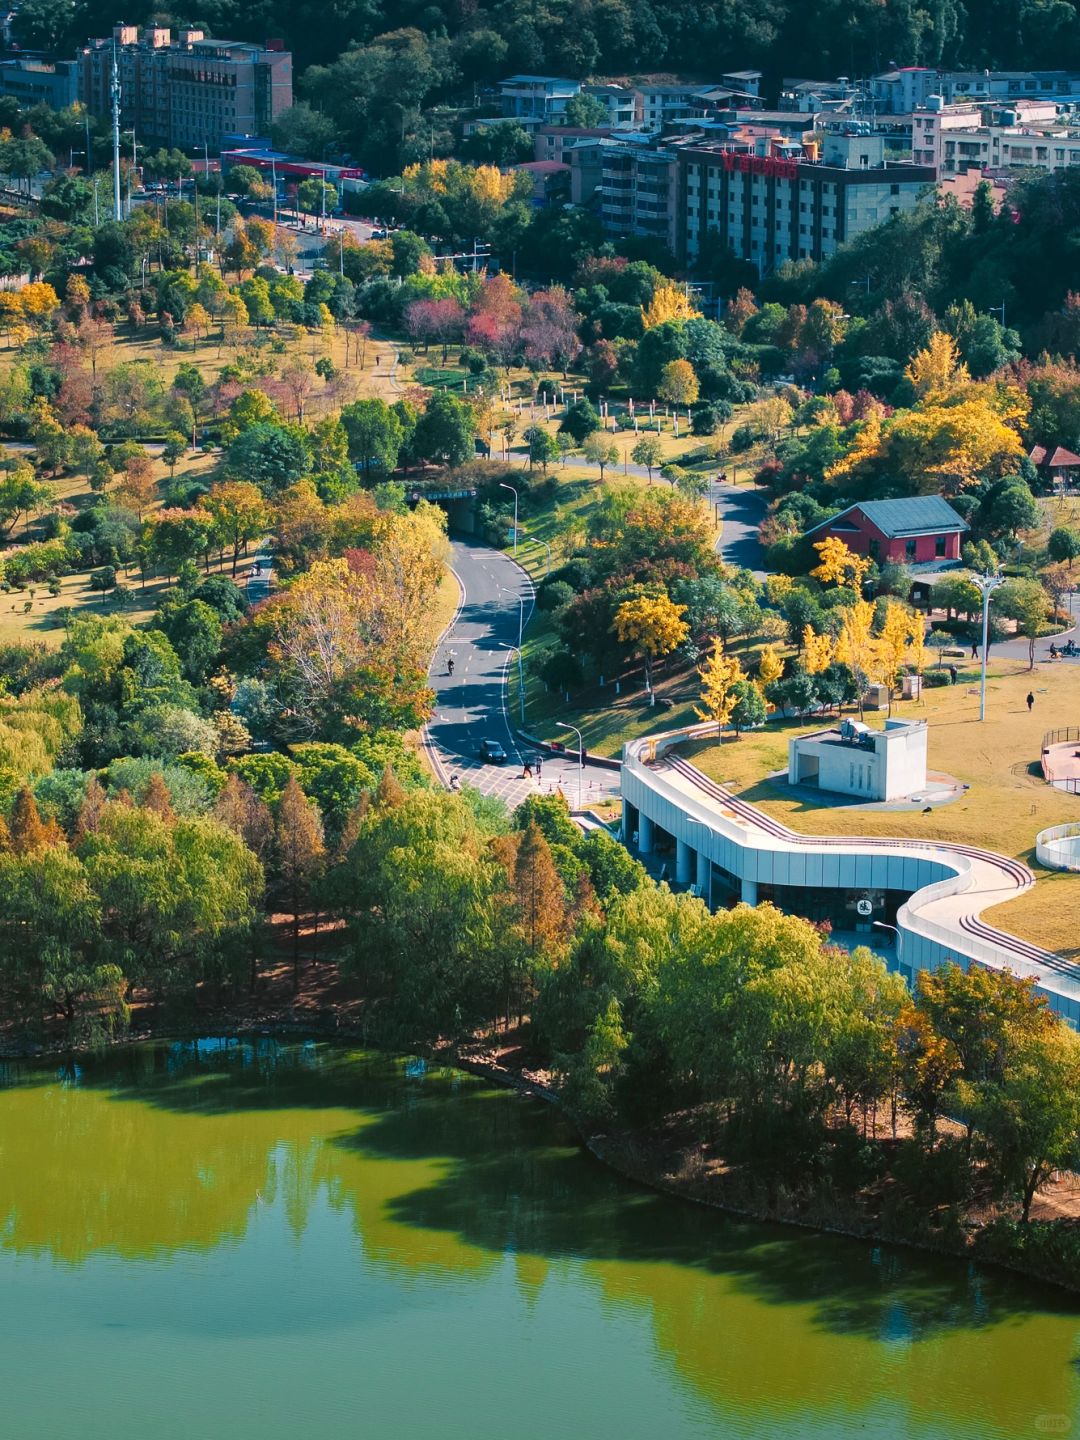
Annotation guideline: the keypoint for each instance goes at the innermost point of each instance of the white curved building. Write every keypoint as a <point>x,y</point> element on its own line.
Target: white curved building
<point>933,892</point>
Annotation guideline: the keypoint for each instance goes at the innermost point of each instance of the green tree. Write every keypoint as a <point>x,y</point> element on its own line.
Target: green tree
<point>273,457</point>
<point>600,450</point>
<point>1063,544</point>
<point>375,435</point>
<point>1026,602</point>
<point>542,446</point>
<point>585,110</point>
<point>648,452</point>
<point>444,432</point>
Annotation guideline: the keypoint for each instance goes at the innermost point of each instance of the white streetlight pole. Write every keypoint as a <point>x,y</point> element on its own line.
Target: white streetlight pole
<point>521,682</point>
<point>504,486</point>
<point>883,925</point>
<point>580,756</point>
<point>986,585</point>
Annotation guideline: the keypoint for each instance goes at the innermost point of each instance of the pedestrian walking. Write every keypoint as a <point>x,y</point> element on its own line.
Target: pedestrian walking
<point>952,674</point>
<point>539,763</point>
<point>1030,701</point>
<point>974,649</point>
<point>450,665</point>
<point>526,771</point>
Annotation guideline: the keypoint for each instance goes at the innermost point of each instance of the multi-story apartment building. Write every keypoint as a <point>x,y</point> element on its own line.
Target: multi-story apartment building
<point>187,92</point>
<point>551,142</point>
<point>902,91</point>
<point>812,96</point>
<point>620,102</point>
<point>639,189</point>
<point>790,203</point>
<point>535,100</point>
<point>1039,134</point>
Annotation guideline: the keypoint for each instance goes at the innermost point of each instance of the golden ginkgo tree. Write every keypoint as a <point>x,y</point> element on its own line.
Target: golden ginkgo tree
<point>654,626</point>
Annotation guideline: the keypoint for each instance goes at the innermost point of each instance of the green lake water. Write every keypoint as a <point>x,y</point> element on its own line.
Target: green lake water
<point>266,1240</point>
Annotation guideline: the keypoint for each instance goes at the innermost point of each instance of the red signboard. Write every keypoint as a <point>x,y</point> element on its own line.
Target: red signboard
<point>761,165</point>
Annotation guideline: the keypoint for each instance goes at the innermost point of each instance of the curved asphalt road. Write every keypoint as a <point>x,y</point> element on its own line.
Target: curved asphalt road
<point>470,705</point>
<point>742,510</point>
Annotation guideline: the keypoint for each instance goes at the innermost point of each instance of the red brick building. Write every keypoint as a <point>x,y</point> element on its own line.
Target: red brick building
<point>913,531</point>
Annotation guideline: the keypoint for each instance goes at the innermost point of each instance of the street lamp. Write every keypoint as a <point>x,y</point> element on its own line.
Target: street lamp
<point>521,681</point>
<point>882,925</point>
<point>580,756</point>
<point>986,585</point>
<point>521,610</point>
<point>504,486</point>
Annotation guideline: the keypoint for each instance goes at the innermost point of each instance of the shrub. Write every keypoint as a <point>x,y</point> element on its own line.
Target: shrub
<point>554,594</point>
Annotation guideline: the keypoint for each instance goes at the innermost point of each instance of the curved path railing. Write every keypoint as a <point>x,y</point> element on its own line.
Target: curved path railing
<point>940,918</point>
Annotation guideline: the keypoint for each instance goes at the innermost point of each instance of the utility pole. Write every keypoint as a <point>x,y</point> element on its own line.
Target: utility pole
<point>114,95</point>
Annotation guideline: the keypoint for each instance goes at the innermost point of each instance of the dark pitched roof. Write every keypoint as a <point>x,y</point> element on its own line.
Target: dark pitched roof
<point>916,515</point>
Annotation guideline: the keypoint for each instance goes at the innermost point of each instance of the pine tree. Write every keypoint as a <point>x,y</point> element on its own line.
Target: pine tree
<point>240,810</point>
<point>158,800</point>
<point>301,857</point>
<point>29,832</point>
<point>390,792</point>
<point>90,811</point>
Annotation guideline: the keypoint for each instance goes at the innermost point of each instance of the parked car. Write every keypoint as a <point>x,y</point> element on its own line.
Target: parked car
<point>492,753</point>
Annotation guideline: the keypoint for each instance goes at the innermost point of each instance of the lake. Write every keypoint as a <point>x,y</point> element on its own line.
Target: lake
<point>256,1240</point>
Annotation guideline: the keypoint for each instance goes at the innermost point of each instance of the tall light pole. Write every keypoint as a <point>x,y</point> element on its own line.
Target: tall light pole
<point>521,682</point>
<point>503,486</point>
<point>580,756</point>
<point>114,96</point>
<point>883,925</point>
<point>986,585</point>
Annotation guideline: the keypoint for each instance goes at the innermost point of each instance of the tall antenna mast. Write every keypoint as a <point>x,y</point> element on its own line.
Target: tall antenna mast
<point>114,93</point>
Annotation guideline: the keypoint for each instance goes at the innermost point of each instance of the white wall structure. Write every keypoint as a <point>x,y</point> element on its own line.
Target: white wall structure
<point>940,889</point>
<point>852,759</point>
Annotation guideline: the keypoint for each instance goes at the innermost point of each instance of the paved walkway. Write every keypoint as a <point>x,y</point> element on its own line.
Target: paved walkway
<point>471,704</point>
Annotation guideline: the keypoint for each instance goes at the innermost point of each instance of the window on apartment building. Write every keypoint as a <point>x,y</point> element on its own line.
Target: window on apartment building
<point>894,189</point>
<point>894,209</point>
<point>802,229</point>
<point>1059,154</point>
<point>1074,156</point>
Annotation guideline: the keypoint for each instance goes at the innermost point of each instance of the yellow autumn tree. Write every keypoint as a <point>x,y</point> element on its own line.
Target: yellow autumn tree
<point>817,651</point>
<point>857,646</point>
<point>38,301</point>
<point>937,369</point>
<point>770,666</point>
<point>941,447</point>
<point>719,675</point>
<point>838,565</point>
<point>654,625</point>
<point>893,640</point>
<point>669,302</point>
<point>917,644</point>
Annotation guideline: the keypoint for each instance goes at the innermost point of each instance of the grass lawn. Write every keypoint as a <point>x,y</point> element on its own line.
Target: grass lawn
<point>1008,802</point>
<point>130,345</point>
